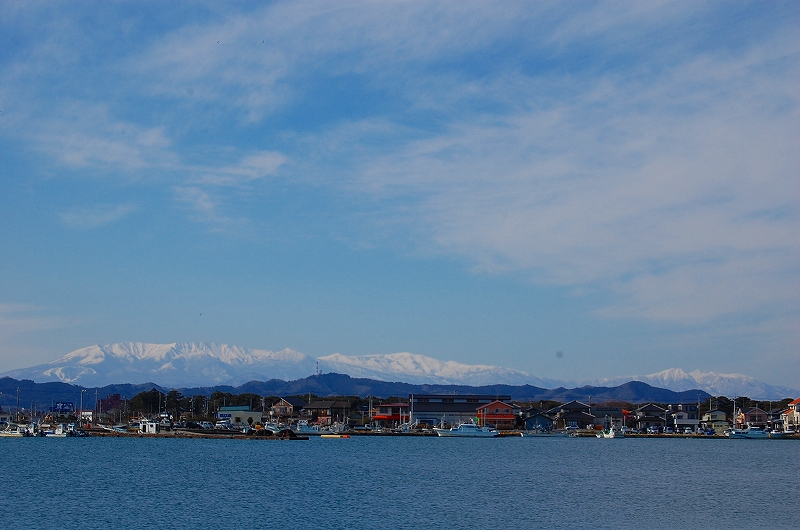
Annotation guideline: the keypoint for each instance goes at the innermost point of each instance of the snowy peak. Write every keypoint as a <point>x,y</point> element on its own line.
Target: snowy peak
<point>189,364</point>
<point>730,385</point>
<point>419,369</point>
<point>177,364</point>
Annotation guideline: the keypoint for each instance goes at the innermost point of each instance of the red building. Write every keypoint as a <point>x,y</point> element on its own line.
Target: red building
<point>391,413</point>
<point>496,413</point>
<point>112,401</point>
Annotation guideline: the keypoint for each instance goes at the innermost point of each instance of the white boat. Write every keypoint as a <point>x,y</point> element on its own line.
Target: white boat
<point>15,431</point>
<point>467,430</point>
<point>751,432</point>
<point>613,432</point>
<point>303,427</point>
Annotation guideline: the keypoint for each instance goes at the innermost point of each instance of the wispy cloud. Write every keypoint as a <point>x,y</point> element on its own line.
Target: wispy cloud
<point>17,319</point>
<point>249,168</point>
<point>206,208</point>
<point>97,216</point>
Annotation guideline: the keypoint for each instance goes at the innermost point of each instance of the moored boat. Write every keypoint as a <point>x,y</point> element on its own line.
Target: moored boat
<point>467,430</point>
<point>613,432</point>
<point>15,431</point>
<point>751,432</point>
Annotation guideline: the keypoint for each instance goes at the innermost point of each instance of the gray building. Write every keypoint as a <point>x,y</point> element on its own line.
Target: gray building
<point>450,408</point>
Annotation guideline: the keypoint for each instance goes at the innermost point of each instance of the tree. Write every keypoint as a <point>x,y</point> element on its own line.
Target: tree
<point>146,402</point>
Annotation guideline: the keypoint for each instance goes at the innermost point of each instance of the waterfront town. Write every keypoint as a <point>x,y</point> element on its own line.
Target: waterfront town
<point>226,415</point>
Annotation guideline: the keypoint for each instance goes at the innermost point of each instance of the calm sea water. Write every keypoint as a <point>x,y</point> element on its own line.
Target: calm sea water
<point>395,482</point>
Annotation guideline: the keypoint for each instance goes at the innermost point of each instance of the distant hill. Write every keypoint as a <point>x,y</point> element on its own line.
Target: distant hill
<point>41,395</point>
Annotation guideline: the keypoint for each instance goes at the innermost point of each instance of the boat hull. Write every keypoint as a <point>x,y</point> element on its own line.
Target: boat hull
<point>467,430</point>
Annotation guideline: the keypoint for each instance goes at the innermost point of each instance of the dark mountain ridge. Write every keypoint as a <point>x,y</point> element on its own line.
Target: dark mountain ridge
<point>42,395</point>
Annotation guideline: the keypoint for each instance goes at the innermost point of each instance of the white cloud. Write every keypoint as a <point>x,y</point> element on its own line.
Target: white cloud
<point>249,168</point>
<point>17,319</point>
<point>677,192</point>
<point>207,209</point>
<point>97,216</point>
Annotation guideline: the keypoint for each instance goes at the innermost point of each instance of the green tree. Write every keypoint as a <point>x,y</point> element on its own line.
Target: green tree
<point>146,402</point>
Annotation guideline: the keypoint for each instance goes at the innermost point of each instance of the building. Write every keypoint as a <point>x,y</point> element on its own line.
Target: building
<point>536,420</point>
<point>607,416</point>
<point>327,412</point>
<point>650,415</point>
<point>751,416</point>
<point>111,402</point>
<point>791,416</point>
<point>391,413</point>
<point>715,420</point>
<point>684,415</point>
<point>287,407</point>
<point>448,408</point>
<point>239,414</point>
<point>496,413</point>
<point>572,415</point>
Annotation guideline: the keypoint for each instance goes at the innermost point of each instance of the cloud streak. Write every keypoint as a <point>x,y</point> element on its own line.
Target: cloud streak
<point>97,216</point>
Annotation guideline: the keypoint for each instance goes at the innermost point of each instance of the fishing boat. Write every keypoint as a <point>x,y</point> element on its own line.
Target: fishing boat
<point>751,432</point>
<point>15,431</point>
<point>302,427</point>
<point>613,432</point>
<point>467,430</point>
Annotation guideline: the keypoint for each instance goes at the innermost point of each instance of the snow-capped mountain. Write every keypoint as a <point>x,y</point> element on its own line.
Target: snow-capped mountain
<point>419,369</point>
<point>730,385</point>
<point>171,365</point>
<point>199,364</point>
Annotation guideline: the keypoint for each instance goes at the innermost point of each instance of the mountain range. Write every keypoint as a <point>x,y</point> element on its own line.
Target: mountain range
<point>39,396</point>
<point>186,365</point>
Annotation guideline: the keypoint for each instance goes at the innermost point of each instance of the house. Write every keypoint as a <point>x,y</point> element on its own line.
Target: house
<point>497,413</point>
<point>607,416</point>
<point>650,415</point>
<point>391,413</point>
<point>791,416</point>
<point>239,414</point>
<point>448,408</point>
<point>684,415</point>
<point>715,420</point>
<point>287,407</point>
<point>572,415</point>
<point>327,412</point>
<point>775,418</point>
<point>752,416</point>
<point>536,420</point>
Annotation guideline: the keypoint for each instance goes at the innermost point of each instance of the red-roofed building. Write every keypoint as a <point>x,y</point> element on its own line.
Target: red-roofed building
<point>496,413</point>
<point>791,416</point>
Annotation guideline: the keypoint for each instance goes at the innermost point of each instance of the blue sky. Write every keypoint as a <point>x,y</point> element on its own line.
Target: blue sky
<point>485,182</point>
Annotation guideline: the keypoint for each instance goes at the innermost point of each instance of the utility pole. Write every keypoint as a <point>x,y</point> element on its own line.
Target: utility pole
<point>80,413</point>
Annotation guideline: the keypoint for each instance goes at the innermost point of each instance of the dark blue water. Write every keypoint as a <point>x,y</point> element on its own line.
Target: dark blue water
<point>394,482</point>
